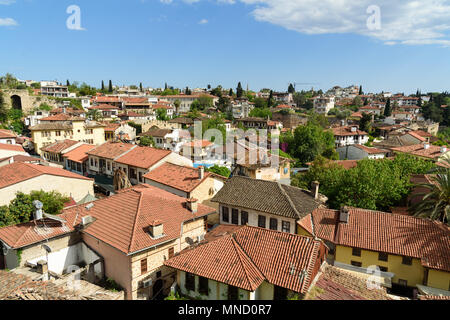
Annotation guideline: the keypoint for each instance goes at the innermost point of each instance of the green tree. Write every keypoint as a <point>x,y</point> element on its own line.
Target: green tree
<point>221,171</point>
<point>239,91</point>
<point>103,85</point>
<point>95,114</point>
<point>110,87</point>
<point>261,113</point>
<point>161,114</point>
<point>177,104</point>
<point>387,108</point>
<point>436,199</point>
<point>201,103</point>
<point>147,141</point>
<point>361,91</point>
<point>230,93</point>
<point>365,124</point>
<point>141,89</point>
<point>3,109</point>
<point>291,88</point>
<point>270,100</point>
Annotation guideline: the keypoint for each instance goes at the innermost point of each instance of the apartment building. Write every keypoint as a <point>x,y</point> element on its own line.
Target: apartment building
<point>323,104</point>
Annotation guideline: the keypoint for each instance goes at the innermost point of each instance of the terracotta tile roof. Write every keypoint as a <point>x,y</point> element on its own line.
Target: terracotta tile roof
<point>122,220</point>
<point>24,234</point>
<point>370,150</point>
<point>58,125</point>
<point>11,147</point>
<point>160,133</point>
<point>111,127</point>
<point>356,114</point>
<point>20,171</point>
<point>284,106</point>
<point>111,150</point>
<point>347,164</point>
<point>133,114</point>
<point>131,100</point>
<point>339,284</point>
<point>143,157</point>
<point>21,158</point>
<point>422,133</point>
<point>266,196</point>
<point>417,136</point>
<point>178,177</point>
<point>198,143</point>
<point>104,107</point>
<point>59,146</point>
<point>62,117</point>
<point>4,134</point>
<point>247,256</point>
<point>107,99</point>
<point>377,231</point>
<point>79,154</point>
<point>347,131</point>
<point>433,152</point>
<point>162,106</point>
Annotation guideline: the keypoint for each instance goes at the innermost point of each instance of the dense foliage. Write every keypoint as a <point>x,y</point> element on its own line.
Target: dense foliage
<point>373,184</point>
<point>221,171</point>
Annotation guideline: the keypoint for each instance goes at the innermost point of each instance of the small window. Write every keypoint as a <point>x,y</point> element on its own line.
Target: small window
<point>143,266</point>
<point>171,252</point>
<point>382,256</point>
<point>407,261</point>
<point>286,226</point>
<point>402,282</point>
<point>244,218</point>
<point>273,224</point>
<point>261,221</point>
<point>225,214</point>
<point>356,264</point>
<point>356,252</point>
<point>158,274</point>
<point>190,281</point>
<point>383,269</point>
<point>235,216</point>
<point>203,286</point>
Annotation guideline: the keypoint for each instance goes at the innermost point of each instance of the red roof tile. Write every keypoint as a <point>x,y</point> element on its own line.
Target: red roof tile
<point>7,134</point>
<point>143,157</point>
<point>347,131</point>
<point>433,152</point>
<point>247,256</point>
<point>111,150</point>
<point>79,154</point>
<point>19,171</point>
<point>11,147</point>
<point>377,231</point>
<point>178,177</point>
<point>59,146</point>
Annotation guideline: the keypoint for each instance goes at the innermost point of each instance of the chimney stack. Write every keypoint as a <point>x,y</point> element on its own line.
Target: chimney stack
<point>192,205</point>
<point>201,172</point>
<point>315,189</point>
<point>344,215</point>
<point>42,268</point>
<point>156,229</point>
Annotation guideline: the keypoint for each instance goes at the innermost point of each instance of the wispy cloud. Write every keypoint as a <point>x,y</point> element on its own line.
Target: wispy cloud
<point>8,22</point>
<point>203,21</point>
<point>7,2</point>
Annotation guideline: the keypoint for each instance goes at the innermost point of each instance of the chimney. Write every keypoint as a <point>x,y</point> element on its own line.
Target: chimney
<point>192,205</point>
<point>156,229</point>
<point>201,172</point>
<point>344,214</point>
<point>426,146</point>
<point>315,189</point>
<point>42,268</point>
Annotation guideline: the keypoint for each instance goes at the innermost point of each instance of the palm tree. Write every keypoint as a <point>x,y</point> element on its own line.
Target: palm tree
<point>436,200</point>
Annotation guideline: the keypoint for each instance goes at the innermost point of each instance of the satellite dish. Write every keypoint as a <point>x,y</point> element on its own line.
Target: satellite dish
<point>37,204</point>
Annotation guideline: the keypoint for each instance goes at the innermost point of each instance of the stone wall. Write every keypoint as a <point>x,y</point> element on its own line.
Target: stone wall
<point>29,102</point>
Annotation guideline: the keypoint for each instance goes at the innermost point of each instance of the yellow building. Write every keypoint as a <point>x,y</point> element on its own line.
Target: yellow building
<point>408,251</point>
<point>62,127</point>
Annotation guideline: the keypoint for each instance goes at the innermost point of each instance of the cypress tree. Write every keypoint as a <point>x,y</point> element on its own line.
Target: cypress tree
<point>388,109</point>
<point>269,102</point>
<point>230,93</point>
<point>360,91</point>
<point>291,88</point>
<point>103,85</point>
<point>239,91</point>
<point>68,83</point>
<point>140,87</point>
<point>110,87</point>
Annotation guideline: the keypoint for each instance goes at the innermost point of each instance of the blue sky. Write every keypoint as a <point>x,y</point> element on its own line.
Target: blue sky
<point>262,43</point>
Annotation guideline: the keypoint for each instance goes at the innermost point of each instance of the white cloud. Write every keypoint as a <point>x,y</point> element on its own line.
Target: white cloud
<point>402,21</point>
<point>7,2</point>
<point>8,22</point>
<point>203,21</point>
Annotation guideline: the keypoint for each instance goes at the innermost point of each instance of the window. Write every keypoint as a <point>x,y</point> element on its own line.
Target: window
<point>92,162</point>
<point>383,269</point>
<point>382,256</point>
<point>225,215</point>
<point>144,266</point>
<point>235,216</point>
<point>407,261</point>
<point>171,252</point>
<point>356,252</point>
<point>233,293</point>
<point>158,274</point>
<point>261,221</point>
<point>244,218</point>
<point>203,286</point>
<point>58,133</point>
<point>403,282</point>
<point>273,224</point>
<point>140,176</point>
<point>356,264</point>
<point>286,226</point>
<point>190,282</point>
<point>133,174</point>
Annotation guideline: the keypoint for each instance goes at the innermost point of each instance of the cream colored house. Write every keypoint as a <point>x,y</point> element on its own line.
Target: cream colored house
<point>26,177</point>
<point>62,127</point>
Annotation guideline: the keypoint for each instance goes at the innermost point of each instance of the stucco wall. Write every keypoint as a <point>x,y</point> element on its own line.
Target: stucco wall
<point>76,188</point>
<point>439,279</point>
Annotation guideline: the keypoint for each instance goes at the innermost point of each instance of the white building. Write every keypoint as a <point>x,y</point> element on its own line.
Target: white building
<point>349,135</point>
<point>323,104</point>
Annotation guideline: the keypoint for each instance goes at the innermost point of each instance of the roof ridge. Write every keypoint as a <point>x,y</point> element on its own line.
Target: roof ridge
<point>136,217</point>
<point>291,203</point>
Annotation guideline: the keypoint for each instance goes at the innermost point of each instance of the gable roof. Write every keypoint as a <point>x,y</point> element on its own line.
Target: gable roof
<point>266,196</point>
<point>7,134</point>
<point>247,256</point>
<point>122,220</point>
<point>378,231</point>
<point>59,146</point>
<point>20,171</point>
<point>79,154</point>
<point>179,177</point>
<point>433,152</point>
<point>347,131</point>
<point>160,133</point>
<point>143,157</point>
<point>11,147</point>
<point>111,150</point>
<point>369,150</point>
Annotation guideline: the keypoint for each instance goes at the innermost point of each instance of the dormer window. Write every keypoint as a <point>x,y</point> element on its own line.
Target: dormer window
<point>156,229</point>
